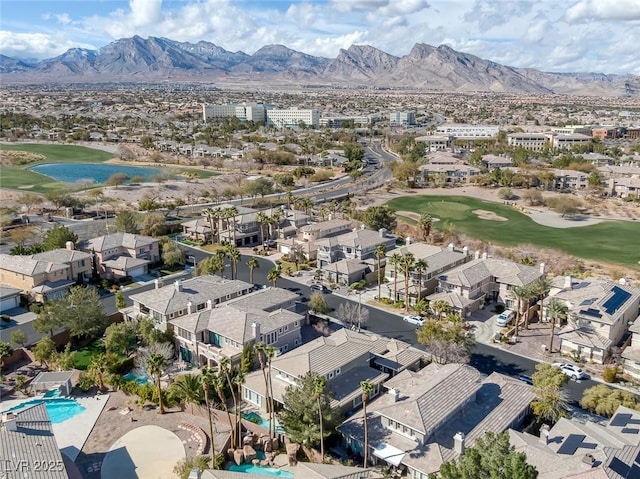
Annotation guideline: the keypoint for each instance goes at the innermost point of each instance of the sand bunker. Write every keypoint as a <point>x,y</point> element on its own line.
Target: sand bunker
<point>488,215</point>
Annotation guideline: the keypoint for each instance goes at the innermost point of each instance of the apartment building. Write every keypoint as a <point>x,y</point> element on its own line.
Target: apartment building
<point>39,279</point>
<point>570,180</point>
<point>340,121</point>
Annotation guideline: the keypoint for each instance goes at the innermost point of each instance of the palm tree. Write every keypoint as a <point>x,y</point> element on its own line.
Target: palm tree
<point>263,219</point>
<point>407,263</point>
<point>556,309</point>
<point>207,379</point>
<point>219,382</point>
<point>420,267</point>
<point>542,286</point>
<point>238,381</point>
<point>530,293</point>
<point>291,200</point>
<point>231,213</point>
<point>440,308</point>
<point>260,353</point>
<point>98,369</point>
<point>189,388</point>
<point>367,389</point>
<point>395,262</point>
<point>381,251</point>
<point>319,385</point>
<point>233,253</point>
<point>218,214</point>
<point>210,215</point>
<point>270,353</point>
<point>155,368</point>
<point>225,369</point>
<point>220,256</point>
<point>520,292</point>
<point>273,275</point>
<point>276,218</point>
<point>253,263</point>
<point>424,225</point>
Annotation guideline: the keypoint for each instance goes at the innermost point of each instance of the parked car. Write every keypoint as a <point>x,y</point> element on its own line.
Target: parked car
<point>505,317</point>
<point>417,320</point>
<point>270,243</point>
<point>318,287</point>
<point>526,379</point>
<point>571,370</point>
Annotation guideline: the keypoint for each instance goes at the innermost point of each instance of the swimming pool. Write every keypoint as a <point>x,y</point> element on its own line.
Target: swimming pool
<point>139,378</point>
<point>260,471</point>
<point>59,409</point>
<point>256,418</point>
<point>52,393</point>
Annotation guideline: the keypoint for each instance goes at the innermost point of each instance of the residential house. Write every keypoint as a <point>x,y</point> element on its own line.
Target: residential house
<point>599,314</point>
<point>438,260</point>
<point>631,354</point>
<point>304,243</point>
<point>271,315</point>
<point>435,142</point>
<point>345,358</point>
<point>292,222</point>
<point>39,279</point>
<point>624,187</point>
<point>574,449</point>
<point>358,244</point>
<point>570,179</point>
<point>181,298</point>
<point>468,287</point>
<point>122,254</point>
<point>28,447</point>
<point>430,416</point>
<point>9,297</point>
<point>446,173</point>
<point>80,262</point>
<point>198,230</point>
<point>492,162</point>
<point>347,271</point>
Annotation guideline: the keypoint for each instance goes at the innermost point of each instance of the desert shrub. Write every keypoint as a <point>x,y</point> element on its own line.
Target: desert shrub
<point>609,374</point>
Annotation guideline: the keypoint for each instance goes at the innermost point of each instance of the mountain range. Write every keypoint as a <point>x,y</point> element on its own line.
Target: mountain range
<point>425,67</point>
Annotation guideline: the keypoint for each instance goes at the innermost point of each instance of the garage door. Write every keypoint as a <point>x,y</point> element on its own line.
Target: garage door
<point>137,271</point>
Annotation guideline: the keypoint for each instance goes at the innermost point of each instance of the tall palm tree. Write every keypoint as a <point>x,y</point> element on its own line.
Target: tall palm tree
<point>520,292</point>
<point>263,219</point>
<point>207,379</point>
<point>291,200</point>
<point>542,286</point>
<point>218,215</point>
<point>232,212</point>
<point>556,309</point>
<point>260,353</point>
<point>381,251</point>
<point>270,353</point>
<point>189,388</point>
<point>273,275</point>
<point>253,263</point>
<point>225,368</point>
<point>319,385</point>
<point>424,225</point>
<point>367,389</point>
<point>238,381</point>
<point>394,260</point>
<point>156,363</point>
<point>210,214</point>
<point>407,263</point>
<point>530,293</point>
<point>219,383</point>
<point>420,267</point>
<point>276,218</point>
<point>220,261</point>
<point>233,253</point>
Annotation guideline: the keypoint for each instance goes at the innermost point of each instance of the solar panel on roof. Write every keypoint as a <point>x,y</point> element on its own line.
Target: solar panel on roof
<point>587,302</point>
<point>621,419</point>
<point>591,312</point>
<point>618,298</point>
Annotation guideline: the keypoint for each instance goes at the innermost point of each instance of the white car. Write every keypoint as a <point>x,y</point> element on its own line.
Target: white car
<point>571,370</point>
<point>417,320</point>
<point>505,317</point>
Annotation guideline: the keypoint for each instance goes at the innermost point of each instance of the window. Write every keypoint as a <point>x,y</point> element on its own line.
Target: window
<point>286,328</point>
<point>295,324</point>
<point>337,371</point>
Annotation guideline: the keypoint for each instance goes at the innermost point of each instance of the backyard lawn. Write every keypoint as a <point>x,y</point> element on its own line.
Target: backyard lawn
<point>82,357</point>
<point>610,241</point>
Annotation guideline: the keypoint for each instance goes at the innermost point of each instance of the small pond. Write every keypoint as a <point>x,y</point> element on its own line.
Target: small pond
<point>98,172</point>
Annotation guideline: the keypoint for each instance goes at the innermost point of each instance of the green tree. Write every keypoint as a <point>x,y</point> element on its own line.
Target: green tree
<point>184,466</point>
<point>273,275</point>
<point>381,252</point>
<point>604,400</point>
<point>97,369</point>
<point>212,214</point>
<point>492,456</point>
<point>594,180</point>
<point>57,237</point>
<point>300,416</point>
<point>319,388</point>
<point>120,338</point>
<point>44,351</point>
<point>420,267</point>
<point>65,359</point>
<point>152,224</point>
<point>253,264</point>
<point>394,260</point>
<point>207,379</point>
<point>188,388</point>
<point>81,311</point>
<point>318,303</point>
<point>424,226</point>
<point>120,301</point>
<point>156,364</point>
<point>367,389</point>
<point>6,350</point>
<point>551,398</point>
<point>211,265</point>
<point>233,253</point>
<point>126,222</point>
<point>353,152</point>
<point>172,253</point>
<point>19,338</point>
<point>376,217</point>
<point>406,264</point>
<point>448,342</point>
<point>556,310</point>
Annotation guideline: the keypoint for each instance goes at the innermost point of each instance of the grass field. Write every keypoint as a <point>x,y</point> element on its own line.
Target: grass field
<point>610,242</point>
<point>20,178</point>
<point>82,357</point>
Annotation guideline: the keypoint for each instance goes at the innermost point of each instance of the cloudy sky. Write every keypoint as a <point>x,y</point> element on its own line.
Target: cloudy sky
<point>550,35</point>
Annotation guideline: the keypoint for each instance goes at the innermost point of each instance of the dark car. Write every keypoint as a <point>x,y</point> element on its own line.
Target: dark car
<point>526,379</point>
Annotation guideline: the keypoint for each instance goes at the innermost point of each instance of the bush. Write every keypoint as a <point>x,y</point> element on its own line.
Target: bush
<point>85,382</point>
<point>609,374</point>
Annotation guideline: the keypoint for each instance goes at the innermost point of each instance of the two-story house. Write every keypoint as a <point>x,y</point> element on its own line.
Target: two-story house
<point>631,354</point>
<point>358,244</point>
<point>80,262</point>
<point>345,358</point>
<point>304,242</point>
<point>181,298</point>
<point>270,315</point>
<point>429,416</point>
<point>39,279</point>
<point>468,287</point>
<point>122,254</point>
<point>438,261</point>
<point>599,314</point>
<point>198,230</point>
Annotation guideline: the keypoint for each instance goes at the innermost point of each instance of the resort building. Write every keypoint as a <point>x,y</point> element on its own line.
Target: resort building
<point>182,298</point>
<point>428,417</point>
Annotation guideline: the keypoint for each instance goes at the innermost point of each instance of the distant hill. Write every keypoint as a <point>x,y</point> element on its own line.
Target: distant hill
<point>425,67</point>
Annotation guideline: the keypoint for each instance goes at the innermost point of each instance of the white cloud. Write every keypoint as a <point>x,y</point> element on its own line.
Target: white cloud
<point>63,18</point>
<point>36,45</point>
<point>603,10</point>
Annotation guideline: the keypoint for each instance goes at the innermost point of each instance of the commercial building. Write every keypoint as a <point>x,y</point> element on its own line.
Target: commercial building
<point>292,117</point>
<point>468,131</point>
<point>402,118</point>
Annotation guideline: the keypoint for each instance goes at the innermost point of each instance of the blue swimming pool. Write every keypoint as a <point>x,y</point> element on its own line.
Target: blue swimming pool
<point>99,173</point>
<point>59,409</point>
<point>52,393</point>
<point>256,418</point>
<point>139,378</point>
<point>259,470</point>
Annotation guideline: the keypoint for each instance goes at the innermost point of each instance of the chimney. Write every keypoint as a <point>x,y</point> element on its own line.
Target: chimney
<point>9,421</point>
<point>589,460</point>
<point>382,232</point>
<point>395,394</point>
<point>465,250</point>
<point>255,329</point>
<point>622,281</point>
<point>189,307</point>
<point>209,304</point>
<point>476,255</point>
<point>156,282</point>
<point>568,282</point>
<point>458,443</point>
<point>409,240</point>
<point>543,268</point>
<point>484,255</point>
<point>69,245</point>
<point>451,246</point>
<point>544,434</point>
<point>178,285</point>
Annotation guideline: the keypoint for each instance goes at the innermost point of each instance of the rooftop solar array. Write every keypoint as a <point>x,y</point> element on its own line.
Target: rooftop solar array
<point>591,312</point>
<point>619,297</point>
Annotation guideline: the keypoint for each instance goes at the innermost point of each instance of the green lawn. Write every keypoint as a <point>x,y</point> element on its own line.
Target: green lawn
<point>610,241</point>
<point>21,178</point>
<point>82,357</point>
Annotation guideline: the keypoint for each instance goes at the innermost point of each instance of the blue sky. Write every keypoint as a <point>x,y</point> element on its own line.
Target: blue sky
<point>550,35</point>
